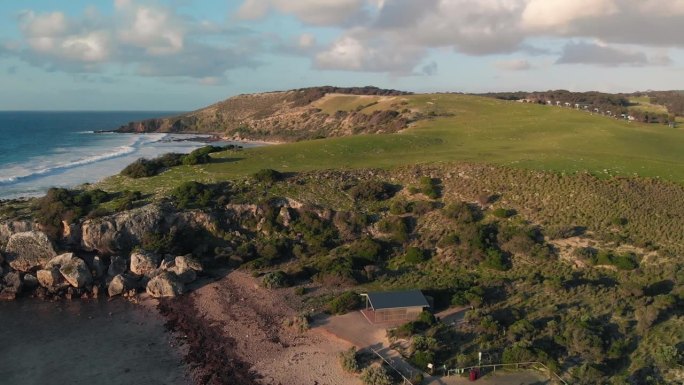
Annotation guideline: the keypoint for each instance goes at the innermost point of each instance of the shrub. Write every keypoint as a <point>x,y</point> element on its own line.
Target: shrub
<point>300,290</point>
<point>427,318</point>
<point>371,191</point>
<point>61,204</point>
<point>375,375</point>
<point>517,353</point>
<point>366,249</point>
<point>201,155</point>
<point>495,260</point>
<point>350,360</point>
<point>428,186</point>
<point>344,303</point>
<point>400,207</point>
<point>450,239</point>
<point>143,168</point>
<point>415,256</point>
<point>192,194</point>
<point>422,207</point>
<point>422,358</point>
<point>275,280</point>
<point>463,212</point>
<point>503,213</point>
<point>396,227</point>
<point>267,175</point>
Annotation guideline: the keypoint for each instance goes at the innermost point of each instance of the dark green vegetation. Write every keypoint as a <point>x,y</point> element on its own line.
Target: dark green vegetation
<point>143,168</point>
<point>591,286</point>
<point>565,254</point>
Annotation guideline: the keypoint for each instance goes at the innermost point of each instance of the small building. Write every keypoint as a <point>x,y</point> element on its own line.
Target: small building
<point>394,306</point>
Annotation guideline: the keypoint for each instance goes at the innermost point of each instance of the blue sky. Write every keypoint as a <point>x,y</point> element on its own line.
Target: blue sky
<point>184,54</point>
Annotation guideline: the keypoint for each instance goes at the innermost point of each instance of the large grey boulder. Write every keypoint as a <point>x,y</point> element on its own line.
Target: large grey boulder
<point>122,231</point>
<point>13,282</point>
<point>185,262</point>
<point>49,278</point>
<point>120,284</point>
<point>186,268</point>
<point>117,265</point>
<point>76,272</point>
<point>29,250</point>
<point>144,263</point>
<point>165,285</point>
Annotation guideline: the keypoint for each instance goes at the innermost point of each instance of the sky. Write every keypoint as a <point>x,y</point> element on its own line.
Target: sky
<point>180,55</point>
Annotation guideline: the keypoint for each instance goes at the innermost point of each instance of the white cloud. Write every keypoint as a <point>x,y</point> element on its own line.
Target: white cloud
<point>141,37</point>
<point>155,29</point>
<point>317,12</point>
<point>513,65</point>
<point>548,14</point>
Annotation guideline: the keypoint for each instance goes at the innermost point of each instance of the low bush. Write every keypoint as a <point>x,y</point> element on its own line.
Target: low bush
<point>503,213</point>
<point>429,187</point>
<point>267,175</point>
<point>396,227</point>
<point>371,191</point>
<point>349,360</point>
<point>344,303</point>
<point>415,256</point>
<point>463,212</point>
<point>143,168</point>
<point>275,280</point>
<point>192,194</point>
<point>375,375</point>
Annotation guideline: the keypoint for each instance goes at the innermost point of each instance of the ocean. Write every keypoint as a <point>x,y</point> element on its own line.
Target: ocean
<point>39,150</point>
<point>86,342</point>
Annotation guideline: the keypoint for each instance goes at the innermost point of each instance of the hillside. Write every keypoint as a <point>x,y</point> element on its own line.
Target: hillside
<point>292,115</point>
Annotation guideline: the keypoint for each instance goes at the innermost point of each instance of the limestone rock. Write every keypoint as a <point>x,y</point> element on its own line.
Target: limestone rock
<point>117,265</point>
<point>28,250</point>
<point>49,278</point>
<point>59,260</point>
<point>119,285</point>
<point>13,282</point>
<point>99,266</point>
<point>185,262</point>
<point>165,285</point>
<point>76,272</point>
<point>144,263</point>
<point>30,280</point>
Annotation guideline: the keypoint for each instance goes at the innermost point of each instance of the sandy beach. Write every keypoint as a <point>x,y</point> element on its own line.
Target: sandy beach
<point>238,319</point>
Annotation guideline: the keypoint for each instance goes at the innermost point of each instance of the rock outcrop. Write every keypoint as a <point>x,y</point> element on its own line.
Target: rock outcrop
<point>117,265</point>
<point>74,270</point>
<point>144,263</point>
<point>165,285</point>
<point>120,284</point>
<point>121,232</point>
<point>29,250</point>
<point>49,278</point>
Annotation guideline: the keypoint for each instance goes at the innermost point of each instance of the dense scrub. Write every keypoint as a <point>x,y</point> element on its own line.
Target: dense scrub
<point>143,168</point>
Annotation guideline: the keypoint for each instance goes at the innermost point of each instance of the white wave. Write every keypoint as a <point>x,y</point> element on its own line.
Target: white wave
<point>115,153</point>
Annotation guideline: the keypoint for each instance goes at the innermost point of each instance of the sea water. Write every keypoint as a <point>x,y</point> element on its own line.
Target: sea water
<point>39,150</point>
<point>85,343</point>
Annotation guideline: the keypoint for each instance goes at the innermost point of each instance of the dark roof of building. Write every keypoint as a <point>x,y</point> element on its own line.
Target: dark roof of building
<point>396,299</point>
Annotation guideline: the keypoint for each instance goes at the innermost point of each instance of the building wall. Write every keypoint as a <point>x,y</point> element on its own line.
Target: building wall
<point>405,314</point>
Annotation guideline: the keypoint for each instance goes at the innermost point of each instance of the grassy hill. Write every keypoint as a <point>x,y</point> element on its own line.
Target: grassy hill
<point>460,128</point>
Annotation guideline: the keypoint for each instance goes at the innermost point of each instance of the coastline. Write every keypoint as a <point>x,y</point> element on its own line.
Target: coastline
<point>33,181</point>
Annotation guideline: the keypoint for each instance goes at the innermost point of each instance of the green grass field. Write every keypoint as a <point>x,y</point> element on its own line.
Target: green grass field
<point>476,130</point>
<point>643,103</point>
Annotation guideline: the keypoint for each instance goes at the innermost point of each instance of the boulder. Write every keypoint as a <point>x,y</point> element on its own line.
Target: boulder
<point>122,231</point>
<point>185,262</point>
<point>76,272</point>
<point>13,282</point>
<point>30,280</point>
<point>7,295</point>
<point>144,263</point>
<point>117,265</point>
<point>165,285</point>
<point>60,260</point>
<point>49,278</point>
<point>120,284</point>
<point>28,250</point>
<point>99,267</point>
<point>13,227</point>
